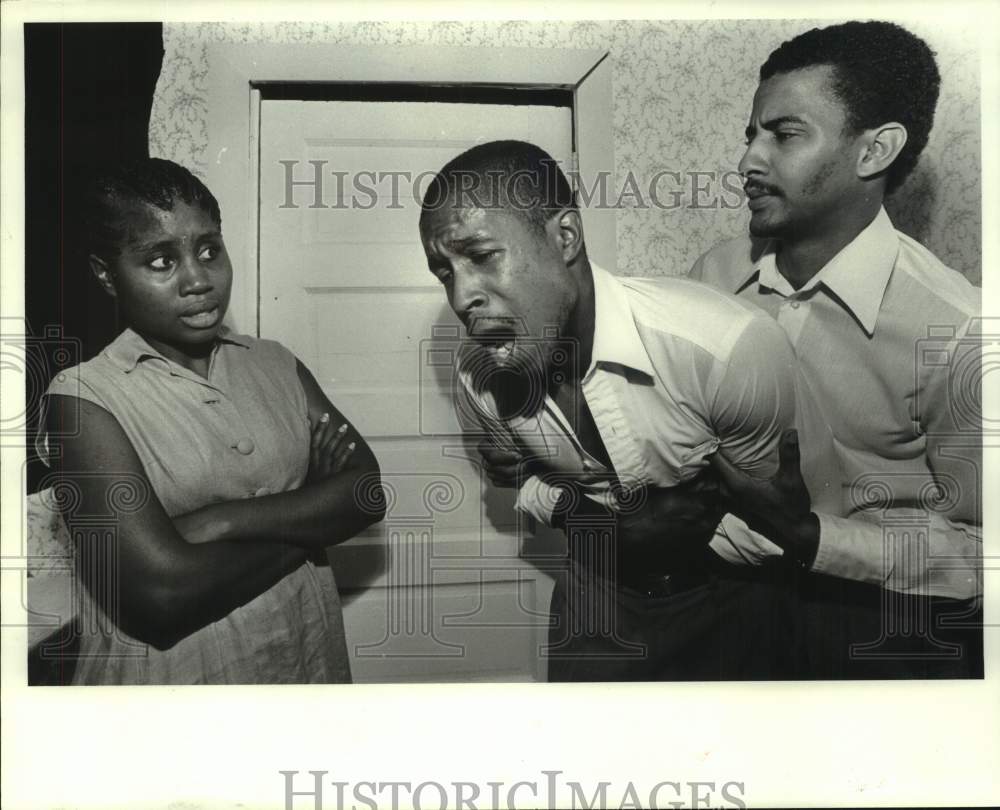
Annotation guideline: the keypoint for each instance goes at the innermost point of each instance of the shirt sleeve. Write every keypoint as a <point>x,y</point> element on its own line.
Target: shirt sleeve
<point>538,499</point>
<point>725,265</point>
<point>534,497</point>
<point>752,399</point>
<point>754,403</point>
<point>933,548</point>
<point>738,544</point>
<point>698,271</point>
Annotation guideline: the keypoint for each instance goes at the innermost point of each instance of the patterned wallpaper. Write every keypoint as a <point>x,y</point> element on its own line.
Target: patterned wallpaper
<point>682,90</point>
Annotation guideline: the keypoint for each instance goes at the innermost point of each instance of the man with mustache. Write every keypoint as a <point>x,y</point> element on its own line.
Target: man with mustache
<point>887,340</point>
<point>602,399</point>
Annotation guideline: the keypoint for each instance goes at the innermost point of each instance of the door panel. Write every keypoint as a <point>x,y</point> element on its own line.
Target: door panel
<point>440,589</point>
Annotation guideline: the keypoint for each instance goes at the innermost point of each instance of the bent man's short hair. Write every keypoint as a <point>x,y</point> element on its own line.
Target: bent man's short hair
<point>514,175</point>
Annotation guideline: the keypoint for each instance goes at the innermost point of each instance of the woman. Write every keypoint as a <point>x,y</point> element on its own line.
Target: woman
<point>225,468</point>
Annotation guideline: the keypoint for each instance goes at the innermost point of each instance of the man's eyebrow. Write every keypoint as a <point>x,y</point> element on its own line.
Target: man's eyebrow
<point>774,123</point>
<point>466,241</point>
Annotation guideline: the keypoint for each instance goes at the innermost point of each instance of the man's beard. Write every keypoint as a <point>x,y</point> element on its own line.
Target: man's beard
<point>766,229</point>
<point>769,223</point>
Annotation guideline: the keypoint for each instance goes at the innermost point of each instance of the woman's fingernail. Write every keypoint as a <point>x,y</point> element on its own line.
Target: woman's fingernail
<point>325,418</point>
<point>351,446</point>
<point>342,428</point>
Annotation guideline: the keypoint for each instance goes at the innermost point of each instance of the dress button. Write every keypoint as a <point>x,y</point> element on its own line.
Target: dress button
<point>795,304</point>
<point>245,446</point>
<point>262,492</point>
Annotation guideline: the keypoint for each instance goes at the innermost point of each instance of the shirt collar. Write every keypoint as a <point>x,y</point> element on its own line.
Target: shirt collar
<point>751,272</point>
<point>616,337</point>
<point>857,276</point>
<point>129,348</point>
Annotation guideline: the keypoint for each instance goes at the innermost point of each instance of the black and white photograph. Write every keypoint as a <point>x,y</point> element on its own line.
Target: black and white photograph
<point>500,411</point>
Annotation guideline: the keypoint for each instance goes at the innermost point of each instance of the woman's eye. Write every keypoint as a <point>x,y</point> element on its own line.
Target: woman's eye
<point>444,276</point>
<point>161,263</point>
<point>209,253</point>
<point>784,136</point>
<point>483,256</point>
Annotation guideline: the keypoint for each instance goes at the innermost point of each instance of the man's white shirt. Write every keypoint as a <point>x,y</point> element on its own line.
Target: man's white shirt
<point>678,371</point>
<point>888,346</point>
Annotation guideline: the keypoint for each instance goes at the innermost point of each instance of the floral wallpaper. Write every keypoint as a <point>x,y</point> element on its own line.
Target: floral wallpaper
<point>682,90</point>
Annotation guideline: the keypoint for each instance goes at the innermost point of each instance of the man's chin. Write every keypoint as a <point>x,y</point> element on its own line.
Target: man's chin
<point>762,226</point>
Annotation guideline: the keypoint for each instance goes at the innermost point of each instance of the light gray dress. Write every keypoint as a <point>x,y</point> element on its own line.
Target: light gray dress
<point>241,433</point>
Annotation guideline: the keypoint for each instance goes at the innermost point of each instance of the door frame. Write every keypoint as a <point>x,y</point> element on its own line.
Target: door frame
<point>237,70</point>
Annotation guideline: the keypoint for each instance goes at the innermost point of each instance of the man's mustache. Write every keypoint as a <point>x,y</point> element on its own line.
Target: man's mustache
<point>761,188</point>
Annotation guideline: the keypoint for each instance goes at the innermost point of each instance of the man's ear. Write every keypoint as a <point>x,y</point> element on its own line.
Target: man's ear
<point>568,228</point>
<point>880,147</point>
<point>102,273</point>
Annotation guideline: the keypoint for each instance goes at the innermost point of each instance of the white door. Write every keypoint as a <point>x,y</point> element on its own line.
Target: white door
<point>440,589</point>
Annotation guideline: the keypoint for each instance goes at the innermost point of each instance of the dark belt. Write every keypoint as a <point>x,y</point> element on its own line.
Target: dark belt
<point>651,572</point>
<point>653,586</point>
<point>661,570</point>
<point>654,581</point>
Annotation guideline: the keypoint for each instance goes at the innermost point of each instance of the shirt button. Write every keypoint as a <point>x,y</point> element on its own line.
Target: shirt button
<point>245,446</point>
<point>795,304</point>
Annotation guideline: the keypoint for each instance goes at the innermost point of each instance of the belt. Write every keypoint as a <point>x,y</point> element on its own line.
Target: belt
<point>651,572</point>
<point>651,582</point>
<point>653,586</point>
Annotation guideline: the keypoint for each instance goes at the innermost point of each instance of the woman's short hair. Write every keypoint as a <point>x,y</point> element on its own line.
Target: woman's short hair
<point>150,181</point>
